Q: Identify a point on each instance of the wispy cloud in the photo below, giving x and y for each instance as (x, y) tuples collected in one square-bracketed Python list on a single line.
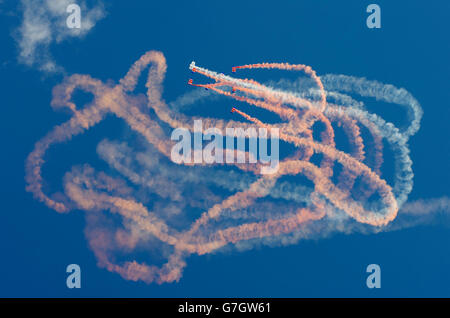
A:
[(44, 23)]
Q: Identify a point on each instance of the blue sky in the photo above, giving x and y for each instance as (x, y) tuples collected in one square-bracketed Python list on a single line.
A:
[(410, 50)]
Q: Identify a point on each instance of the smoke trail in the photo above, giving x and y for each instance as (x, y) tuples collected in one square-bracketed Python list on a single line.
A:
[(174, 209)]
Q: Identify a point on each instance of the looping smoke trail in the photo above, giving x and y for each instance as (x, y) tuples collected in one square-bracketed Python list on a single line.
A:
[(157, 222)]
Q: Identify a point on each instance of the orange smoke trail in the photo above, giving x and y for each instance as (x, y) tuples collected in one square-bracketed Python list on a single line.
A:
[(353, 208), (297, 67), (353, 165)]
